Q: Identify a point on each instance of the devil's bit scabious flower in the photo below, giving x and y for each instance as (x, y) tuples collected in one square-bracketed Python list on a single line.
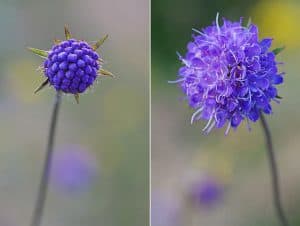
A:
[(71, 66), (229, 75)]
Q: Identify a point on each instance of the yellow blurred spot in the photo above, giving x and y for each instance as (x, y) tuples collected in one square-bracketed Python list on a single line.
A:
[(124, 108), (23, 79), (123, 113), (220, 164), (279, 20)]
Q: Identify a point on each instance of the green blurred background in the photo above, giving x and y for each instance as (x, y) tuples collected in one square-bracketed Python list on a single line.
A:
[(111, 121), (182, 155)]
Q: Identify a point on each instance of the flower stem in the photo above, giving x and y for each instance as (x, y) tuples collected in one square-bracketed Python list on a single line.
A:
[(42, 192), (274, 173)]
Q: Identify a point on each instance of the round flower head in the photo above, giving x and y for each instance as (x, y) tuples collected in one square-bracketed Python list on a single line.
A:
[(229, 75), (71, 66)]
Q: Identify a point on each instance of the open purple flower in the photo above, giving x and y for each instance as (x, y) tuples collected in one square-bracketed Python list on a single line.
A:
[(74, 169), (71, 66), (229, 75)]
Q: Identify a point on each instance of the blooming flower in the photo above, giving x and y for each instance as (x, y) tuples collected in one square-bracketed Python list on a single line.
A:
[(71, 66), (206, 193), (74, 169), (228, 75)]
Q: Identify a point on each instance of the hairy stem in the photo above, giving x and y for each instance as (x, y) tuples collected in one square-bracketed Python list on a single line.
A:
[(274, 173), (42, 192)]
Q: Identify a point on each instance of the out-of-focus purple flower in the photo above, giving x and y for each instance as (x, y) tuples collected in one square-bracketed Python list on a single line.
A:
[(164, 211), (206, 193), (74, 169), (229, 75)]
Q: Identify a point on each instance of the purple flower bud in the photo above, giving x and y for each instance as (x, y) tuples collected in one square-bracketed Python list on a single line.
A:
[(94, 72), (66, 82), (73, 67), (88, 69), (65, 88), (57, 50), (91, 80), (80, 63), (63, 65), (85, 50), (60, 74), (95, 56), (72, 57), (68, 49), (85, 78), (54, 58), (87, 59), (56, 80), (79, 72), (75, 45), (68, 62), (78, 52), (64, 44), (82, 87), (54, 67), (69, 74), (62, 56)]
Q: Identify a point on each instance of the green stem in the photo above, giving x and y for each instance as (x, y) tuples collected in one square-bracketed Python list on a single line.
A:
[(42, 193), (274, 173)]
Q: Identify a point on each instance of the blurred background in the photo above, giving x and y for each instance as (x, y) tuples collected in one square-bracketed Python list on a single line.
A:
[(100, 172), (217, 180)]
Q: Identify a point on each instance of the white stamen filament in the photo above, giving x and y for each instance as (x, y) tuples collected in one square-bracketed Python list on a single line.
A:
[(233, 56), (248, 124), (199, 32), (196, 113), (208, 42), (176, 81), (228, 128), (179, 56), (185, 62), (211, 127), (217, 23), (208, 123)]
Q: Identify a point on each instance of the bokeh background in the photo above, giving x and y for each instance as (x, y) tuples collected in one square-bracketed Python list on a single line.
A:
[(100, 172), (217, 180)]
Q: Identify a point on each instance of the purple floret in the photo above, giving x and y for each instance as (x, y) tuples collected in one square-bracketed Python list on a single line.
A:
[(228, 75), (72, 66)]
